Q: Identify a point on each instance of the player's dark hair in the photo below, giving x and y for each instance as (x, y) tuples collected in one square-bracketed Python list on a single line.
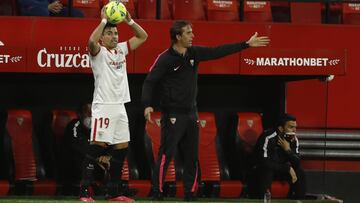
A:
[(176, 29), (109, 25), (285, 118)]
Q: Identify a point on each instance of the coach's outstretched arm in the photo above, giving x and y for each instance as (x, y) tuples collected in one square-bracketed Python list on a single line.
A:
[(256, 41), (140, 34), (93, 43)]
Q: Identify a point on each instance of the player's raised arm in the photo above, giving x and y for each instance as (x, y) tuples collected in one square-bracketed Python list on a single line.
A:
[(93, 43), (140, 34)]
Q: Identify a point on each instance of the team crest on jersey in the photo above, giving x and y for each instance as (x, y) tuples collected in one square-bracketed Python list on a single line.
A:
[(250, 123), (203, 123), (192, 62), (20, 120), (173, 120), (158, 123)]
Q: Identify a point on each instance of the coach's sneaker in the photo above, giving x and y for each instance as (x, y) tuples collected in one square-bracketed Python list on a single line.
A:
[(189, 197), (121, 199), (157, 196), (84, 195)]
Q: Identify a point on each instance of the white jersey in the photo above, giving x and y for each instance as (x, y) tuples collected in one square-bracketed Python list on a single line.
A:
[(109, 69)]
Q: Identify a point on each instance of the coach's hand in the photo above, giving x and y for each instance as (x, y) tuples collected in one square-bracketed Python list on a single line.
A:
[(256, 41), (147, 114)]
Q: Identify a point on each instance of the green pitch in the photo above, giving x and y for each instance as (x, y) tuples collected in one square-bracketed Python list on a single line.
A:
[(67, 199)]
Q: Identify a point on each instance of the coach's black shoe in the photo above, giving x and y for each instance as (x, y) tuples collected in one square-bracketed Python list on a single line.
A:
[(189, 197), (157, 196)]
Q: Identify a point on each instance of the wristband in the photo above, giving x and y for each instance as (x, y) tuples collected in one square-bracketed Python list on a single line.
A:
[(104, 20), (131, 22)]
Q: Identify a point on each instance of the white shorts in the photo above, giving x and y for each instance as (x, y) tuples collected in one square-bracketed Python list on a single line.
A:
[(109, 124)]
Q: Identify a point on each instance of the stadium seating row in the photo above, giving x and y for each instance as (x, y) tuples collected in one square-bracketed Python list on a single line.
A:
[(26, 174), (222, 10)]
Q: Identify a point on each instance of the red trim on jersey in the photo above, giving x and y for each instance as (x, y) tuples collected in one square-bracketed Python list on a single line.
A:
[(157, 58), (109, 50), (95, 128)]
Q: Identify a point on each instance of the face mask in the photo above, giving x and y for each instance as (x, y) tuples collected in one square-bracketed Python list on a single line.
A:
[(87, 122), (289, 136)]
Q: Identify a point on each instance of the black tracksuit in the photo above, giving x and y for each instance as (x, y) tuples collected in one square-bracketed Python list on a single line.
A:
[(177, 76), (274, 162)]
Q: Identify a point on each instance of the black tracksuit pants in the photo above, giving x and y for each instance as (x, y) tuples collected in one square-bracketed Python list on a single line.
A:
[(178, 130), (267, 175)]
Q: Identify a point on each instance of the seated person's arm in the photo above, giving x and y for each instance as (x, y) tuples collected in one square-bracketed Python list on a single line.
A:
[(266, 154)]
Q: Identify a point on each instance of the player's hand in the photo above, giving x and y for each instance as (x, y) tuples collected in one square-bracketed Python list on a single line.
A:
[(103, 14), (284, 144), (128, 17), (104, 161), (293, 175), (147, 114), (256, 41)]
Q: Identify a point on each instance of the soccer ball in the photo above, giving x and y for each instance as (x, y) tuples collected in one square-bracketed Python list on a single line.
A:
[(115, 11)]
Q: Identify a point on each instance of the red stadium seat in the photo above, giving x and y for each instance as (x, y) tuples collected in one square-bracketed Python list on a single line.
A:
[(4, 187), (304, 12), (20, 130), (226, 10), (142, 187), (60, 119), (249, 129), (146, 9), (280, 189), (280, 11), (153, 132), (188, 10), (351, 13), (257, 11), (90, 8), (19, 127), (211, 171)]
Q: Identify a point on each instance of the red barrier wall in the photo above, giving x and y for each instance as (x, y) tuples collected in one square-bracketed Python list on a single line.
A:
[(27, 40)]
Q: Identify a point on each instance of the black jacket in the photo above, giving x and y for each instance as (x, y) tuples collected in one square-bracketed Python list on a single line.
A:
[(177, 76), (271, 155)]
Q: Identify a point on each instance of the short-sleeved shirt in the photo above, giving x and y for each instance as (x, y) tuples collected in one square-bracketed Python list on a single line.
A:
[(109, 70)]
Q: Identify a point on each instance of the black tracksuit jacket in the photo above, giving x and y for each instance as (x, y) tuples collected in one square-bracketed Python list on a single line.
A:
[(177, 76), (270, 155)]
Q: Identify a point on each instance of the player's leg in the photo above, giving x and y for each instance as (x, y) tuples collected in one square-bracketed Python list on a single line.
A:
[(119, 129), (99, 138), (118, 154), (172, 129), (95, 149), (298, 189), (189, 145)]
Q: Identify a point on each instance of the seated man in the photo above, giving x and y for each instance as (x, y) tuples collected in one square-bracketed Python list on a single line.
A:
[(277, 153), (46, 8), (76, 142)]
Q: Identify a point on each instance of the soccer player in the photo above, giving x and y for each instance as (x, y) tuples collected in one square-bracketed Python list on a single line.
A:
[(176, 70), (109, 126)]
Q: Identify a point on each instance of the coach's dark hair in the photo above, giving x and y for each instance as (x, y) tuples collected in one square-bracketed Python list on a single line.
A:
[(176, 29), (285, 118), (109, 25)]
